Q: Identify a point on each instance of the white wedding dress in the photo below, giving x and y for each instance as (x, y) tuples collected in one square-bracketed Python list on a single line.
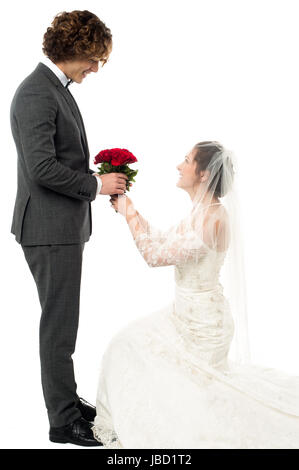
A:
[(166, 380)]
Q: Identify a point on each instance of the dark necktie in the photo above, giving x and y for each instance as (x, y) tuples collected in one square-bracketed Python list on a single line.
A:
[(68, 83)]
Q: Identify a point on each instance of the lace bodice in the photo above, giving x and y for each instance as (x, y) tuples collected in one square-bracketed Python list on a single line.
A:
[(202, 274)]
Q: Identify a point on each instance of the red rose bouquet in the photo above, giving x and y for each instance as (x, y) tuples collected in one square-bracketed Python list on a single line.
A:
[(116, 161)]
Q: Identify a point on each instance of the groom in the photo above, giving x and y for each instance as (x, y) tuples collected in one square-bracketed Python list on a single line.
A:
[(52, 213)]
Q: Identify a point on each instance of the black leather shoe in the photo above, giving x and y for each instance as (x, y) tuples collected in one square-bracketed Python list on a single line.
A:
[(79, 433), (88, 411)]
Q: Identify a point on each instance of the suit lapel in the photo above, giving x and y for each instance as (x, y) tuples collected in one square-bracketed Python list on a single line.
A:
[(76, 113), (82, 128), (70, 100)]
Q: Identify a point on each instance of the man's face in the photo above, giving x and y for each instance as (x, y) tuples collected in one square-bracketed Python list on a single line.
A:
[(78, 69)]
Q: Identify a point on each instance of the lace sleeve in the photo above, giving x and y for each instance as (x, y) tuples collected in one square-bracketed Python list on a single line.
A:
[(188, 240), (169, 248)]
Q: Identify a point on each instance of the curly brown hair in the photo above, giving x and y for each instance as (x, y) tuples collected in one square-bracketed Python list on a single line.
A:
[(77, 35)]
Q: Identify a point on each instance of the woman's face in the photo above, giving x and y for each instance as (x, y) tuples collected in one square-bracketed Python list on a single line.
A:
[(188, 178)]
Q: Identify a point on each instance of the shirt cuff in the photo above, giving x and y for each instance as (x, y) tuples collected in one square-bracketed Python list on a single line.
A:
[(99, 181)]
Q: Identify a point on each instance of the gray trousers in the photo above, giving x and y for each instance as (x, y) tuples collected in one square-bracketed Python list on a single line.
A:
[(56, 270)]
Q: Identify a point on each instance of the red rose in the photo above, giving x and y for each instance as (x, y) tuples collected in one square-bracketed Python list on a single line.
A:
[(115, 157)]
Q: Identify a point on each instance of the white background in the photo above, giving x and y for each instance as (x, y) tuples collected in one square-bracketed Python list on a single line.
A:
[(180, 72)]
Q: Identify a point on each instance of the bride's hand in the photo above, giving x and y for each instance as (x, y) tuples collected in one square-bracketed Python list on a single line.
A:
[(120, 206)]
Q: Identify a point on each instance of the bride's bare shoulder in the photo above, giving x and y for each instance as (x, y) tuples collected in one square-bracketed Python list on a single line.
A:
[(216, 214), (216, 228)]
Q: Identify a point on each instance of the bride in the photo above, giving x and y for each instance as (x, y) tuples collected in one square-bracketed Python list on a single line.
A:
[(166, 379)]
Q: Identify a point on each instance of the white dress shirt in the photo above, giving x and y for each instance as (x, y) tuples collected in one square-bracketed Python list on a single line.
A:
[(64, 80)]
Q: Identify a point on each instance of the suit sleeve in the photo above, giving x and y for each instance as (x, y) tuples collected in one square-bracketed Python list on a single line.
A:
[(35, 114)]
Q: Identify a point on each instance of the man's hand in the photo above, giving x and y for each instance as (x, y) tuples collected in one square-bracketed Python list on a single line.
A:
[(113, 183)]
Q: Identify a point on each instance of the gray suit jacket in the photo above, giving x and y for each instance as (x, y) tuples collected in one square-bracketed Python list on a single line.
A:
[(55, 185)]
